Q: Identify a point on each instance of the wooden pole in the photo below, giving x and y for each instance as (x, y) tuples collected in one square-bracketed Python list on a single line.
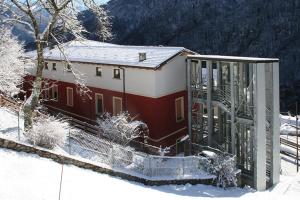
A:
[(61, 178)]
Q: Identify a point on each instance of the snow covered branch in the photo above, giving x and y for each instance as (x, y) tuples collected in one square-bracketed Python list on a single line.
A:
[(12, 62), (62, 19)]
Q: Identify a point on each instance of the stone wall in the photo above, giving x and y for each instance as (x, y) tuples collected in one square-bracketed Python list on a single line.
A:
[(64, 159)]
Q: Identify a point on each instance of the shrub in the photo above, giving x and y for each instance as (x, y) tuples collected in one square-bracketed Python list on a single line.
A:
[(48, 132), (224, 167)]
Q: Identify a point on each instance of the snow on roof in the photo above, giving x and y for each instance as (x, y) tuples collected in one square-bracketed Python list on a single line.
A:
[(234, 58), (112, 54)]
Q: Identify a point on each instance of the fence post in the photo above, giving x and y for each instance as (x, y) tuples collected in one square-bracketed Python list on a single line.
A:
[(112, 157), (183, 167), (19, 125), (69, 141), (150, 167)]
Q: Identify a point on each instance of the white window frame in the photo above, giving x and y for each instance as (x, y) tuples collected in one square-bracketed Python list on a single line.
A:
[(114, 109), (46, 67), (114, 73), (52, 91), (181, 107), (96, 105), (68, 68), (68, 100), (54, 67), (100, 71)]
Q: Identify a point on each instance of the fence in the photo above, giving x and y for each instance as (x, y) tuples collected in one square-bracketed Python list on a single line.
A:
[(132, 162)]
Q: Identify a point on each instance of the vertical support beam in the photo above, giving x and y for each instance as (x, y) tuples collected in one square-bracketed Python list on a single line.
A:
[(210, 122), (232, 111), (200, 112), (260, 128), (220, 121), (190, 101), (276, 130)]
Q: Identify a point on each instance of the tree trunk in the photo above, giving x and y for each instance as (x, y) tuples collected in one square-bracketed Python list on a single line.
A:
[(32, 102)]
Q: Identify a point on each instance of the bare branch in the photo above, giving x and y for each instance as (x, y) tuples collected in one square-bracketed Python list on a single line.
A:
[(20, 22)]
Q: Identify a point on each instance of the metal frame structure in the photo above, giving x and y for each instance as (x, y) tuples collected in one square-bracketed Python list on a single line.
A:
[(233, 105)]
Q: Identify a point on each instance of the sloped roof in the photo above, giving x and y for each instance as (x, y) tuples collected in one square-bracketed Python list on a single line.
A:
[(105, 53)]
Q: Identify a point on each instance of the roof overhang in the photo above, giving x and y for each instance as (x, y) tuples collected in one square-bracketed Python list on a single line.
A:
[(232, 58)]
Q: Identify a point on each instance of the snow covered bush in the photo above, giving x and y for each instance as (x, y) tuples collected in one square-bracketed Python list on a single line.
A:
[(48, 132), (223, 166), (121, 129)]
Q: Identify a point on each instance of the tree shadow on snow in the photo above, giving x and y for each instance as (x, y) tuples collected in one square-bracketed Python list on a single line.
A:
[(199, 190), (202, 190), (8, 130)]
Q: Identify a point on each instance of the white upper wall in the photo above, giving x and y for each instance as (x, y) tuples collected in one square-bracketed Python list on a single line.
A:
[(151, 77), (168, 79), (171, 77), (137, 81)]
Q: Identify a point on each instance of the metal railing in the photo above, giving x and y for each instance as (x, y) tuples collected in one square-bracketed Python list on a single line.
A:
[(130, 161)]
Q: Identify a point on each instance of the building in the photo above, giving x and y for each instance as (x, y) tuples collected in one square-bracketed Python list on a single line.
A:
[(234, 106), (149, 82), (229, 103)]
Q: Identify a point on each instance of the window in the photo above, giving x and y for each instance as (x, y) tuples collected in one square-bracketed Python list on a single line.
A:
[(117, 105), (54, 66), (98, 71), (46, 66), (69, 96), (117, 74), (69, 68), (55, 93), (99, 103), (46, 91), (179, 109)]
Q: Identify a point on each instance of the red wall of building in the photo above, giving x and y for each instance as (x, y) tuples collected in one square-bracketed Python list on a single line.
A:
[(157, 113)]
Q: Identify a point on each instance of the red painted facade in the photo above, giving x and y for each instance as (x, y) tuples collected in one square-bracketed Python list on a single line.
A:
[(157, 113)]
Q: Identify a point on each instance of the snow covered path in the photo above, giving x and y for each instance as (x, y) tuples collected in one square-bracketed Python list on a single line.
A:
[(26, 176)]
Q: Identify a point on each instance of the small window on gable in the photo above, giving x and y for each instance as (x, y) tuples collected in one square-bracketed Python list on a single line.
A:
[(69, 96), (46, 66), (117, 74), (55, 93), (54, 66), (179, 109), (98, 71)]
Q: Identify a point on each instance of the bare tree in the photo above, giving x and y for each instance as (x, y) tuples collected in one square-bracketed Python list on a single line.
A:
[(12, 62), (63, 15)]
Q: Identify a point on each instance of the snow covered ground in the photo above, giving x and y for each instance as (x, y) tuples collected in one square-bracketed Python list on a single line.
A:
[(26, 176)]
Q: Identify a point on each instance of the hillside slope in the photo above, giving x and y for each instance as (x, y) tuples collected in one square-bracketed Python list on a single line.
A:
[(228, 27), (26, 176)]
